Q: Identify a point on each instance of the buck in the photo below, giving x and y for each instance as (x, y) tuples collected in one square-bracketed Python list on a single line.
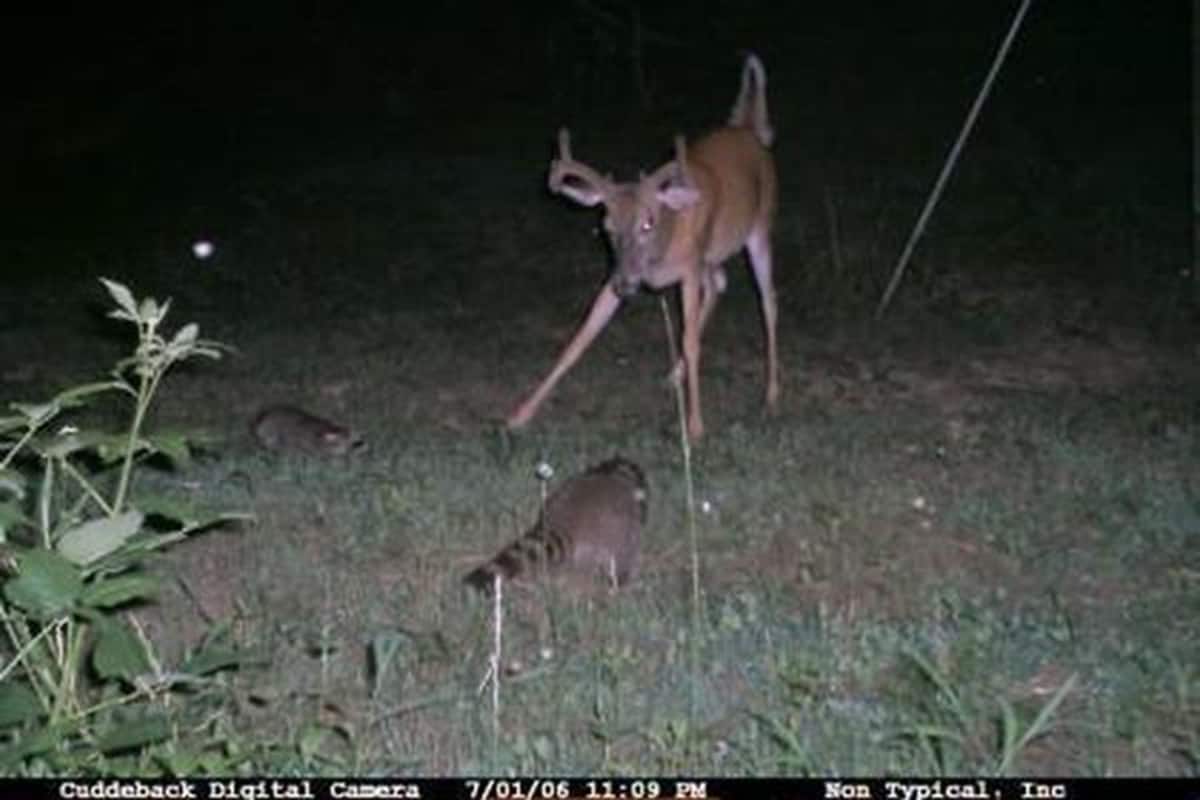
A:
[(678, 225)]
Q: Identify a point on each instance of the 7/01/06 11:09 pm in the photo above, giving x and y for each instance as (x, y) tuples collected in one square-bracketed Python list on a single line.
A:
[(643, 790)]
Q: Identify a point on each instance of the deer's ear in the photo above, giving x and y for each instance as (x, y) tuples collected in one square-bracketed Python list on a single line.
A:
[(677, 196), (673, 186)]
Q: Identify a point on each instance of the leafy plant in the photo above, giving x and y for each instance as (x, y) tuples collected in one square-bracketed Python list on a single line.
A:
[(81, 688), (951, 739)]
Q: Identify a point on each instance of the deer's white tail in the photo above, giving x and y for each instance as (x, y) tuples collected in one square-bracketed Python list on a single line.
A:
[(750, 110)]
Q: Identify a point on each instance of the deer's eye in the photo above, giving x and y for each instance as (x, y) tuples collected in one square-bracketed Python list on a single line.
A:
[(646, 225)]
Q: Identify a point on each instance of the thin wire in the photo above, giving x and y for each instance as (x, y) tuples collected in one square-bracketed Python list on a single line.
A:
[(951, 159)]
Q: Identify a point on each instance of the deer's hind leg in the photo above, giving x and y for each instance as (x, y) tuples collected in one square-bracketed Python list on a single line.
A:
[(758, 248)]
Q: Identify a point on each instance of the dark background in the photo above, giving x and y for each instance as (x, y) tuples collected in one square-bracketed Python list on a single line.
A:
[(127, 127)]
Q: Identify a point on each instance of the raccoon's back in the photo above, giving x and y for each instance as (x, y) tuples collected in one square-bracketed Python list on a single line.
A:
[(592, 525), (284, 427)]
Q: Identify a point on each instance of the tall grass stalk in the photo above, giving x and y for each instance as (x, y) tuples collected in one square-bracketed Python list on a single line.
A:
[(697, 608), (494, 660)]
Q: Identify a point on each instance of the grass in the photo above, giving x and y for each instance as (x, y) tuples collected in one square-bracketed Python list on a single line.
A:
[(848, 628), (967, 544)]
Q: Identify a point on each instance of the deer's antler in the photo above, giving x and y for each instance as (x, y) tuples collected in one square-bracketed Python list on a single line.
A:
[(574, 178), (681, 160), (674, 171)]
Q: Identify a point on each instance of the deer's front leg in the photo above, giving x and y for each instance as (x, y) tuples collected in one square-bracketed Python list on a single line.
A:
[(603, 307), (693, 322), (710, 290)]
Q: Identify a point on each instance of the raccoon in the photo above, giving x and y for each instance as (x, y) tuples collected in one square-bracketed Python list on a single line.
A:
[(287, 428), (591, 527)]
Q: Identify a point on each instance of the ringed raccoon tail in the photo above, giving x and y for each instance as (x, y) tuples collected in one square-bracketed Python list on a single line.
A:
[(591, 524), (539, 550)]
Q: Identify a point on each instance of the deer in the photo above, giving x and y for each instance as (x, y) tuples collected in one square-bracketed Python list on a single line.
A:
[(678, 226)]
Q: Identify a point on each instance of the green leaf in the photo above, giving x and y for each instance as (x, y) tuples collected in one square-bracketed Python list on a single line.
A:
[(185, 337), (11, 516), (149, 311), (121, 296), (12, 482), (107, 592), (18, 703), (121, 367), (211, 659), (174, 446), (187, 513), (125, 315), (176, 509), (1039, 726), (98, 537), (75, 395), (118, 652), (42, 741), (109, 447), (133, 553), (36, 414), (115, 447), (130, 734), (46, 585), (210, 349)]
